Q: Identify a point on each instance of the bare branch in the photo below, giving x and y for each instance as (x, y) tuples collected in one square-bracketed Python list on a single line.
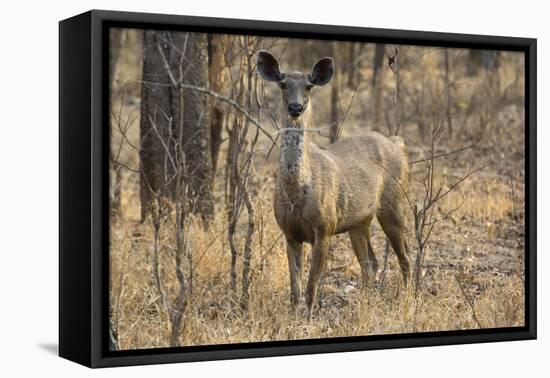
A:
[(231, 102), (447, 153), (468, 300)]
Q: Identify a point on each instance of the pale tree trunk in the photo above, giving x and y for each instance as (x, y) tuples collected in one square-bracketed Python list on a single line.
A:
[(377, 85), (116, 40), (448, 98), (352, 74)]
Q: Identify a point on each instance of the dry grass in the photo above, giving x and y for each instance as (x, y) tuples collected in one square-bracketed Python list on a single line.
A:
[(214, 317)]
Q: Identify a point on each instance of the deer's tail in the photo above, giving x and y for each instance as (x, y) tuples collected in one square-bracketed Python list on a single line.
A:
[(399, 141)]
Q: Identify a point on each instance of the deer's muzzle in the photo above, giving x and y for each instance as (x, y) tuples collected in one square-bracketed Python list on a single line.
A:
[(295, 109)]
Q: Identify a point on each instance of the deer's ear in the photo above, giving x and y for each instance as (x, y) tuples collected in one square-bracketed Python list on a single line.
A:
[(322, 72), (269, 67)]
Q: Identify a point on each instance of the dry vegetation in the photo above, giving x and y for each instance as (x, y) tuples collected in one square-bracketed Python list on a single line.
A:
[(473, 272)]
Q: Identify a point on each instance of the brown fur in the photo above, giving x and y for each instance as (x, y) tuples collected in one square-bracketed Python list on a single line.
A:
[(324, 191)]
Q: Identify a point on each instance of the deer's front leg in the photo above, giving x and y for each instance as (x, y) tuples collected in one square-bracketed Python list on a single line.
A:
[(294, 252), (318, 260)]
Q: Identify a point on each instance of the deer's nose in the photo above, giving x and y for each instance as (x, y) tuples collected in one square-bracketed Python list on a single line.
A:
[(295, 109)]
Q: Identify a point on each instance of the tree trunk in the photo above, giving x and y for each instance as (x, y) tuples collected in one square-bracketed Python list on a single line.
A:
[(117, 37), (448, 98), (116, 40), (352, 73), (160, 112), (217, 80), (377, 85), (335, 127), (196, 126), (232, 178)]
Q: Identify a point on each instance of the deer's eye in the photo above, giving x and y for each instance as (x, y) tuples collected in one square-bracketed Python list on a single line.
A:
[(308, 87), (282, 85)]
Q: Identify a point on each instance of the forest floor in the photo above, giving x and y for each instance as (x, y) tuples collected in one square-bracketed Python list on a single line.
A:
[(473, 276)]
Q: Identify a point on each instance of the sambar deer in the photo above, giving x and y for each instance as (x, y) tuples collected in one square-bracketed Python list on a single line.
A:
[(324, 191)]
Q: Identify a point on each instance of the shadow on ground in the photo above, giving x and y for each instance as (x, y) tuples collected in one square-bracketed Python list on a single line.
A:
[(51, 348)]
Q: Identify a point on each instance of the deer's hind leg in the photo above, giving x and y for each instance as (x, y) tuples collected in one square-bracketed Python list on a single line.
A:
[(393, 223), (360, 240)]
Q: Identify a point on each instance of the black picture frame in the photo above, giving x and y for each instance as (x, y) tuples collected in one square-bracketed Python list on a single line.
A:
[(83, 181)]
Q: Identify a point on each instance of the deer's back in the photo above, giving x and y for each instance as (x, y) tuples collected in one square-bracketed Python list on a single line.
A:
[(360, 174), (371, 157)]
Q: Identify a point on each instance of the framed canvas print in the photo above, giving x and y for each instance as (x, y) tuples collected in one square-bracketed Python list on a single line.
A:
[(234, 188)]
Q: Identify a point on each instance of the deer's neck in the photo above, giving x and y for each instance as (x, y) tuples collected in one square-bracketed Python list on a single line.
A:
[(294, 167)]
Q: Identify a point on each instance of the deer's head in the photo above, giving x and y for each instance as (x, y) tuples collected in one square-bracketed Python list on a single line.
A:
[(295, 86)]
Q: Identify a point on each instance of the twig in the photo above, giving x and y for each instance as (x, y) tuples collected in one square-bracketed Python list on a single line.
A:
[(393, 63), (468, 300), (231, 102), (447, 153), (383, 273)]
